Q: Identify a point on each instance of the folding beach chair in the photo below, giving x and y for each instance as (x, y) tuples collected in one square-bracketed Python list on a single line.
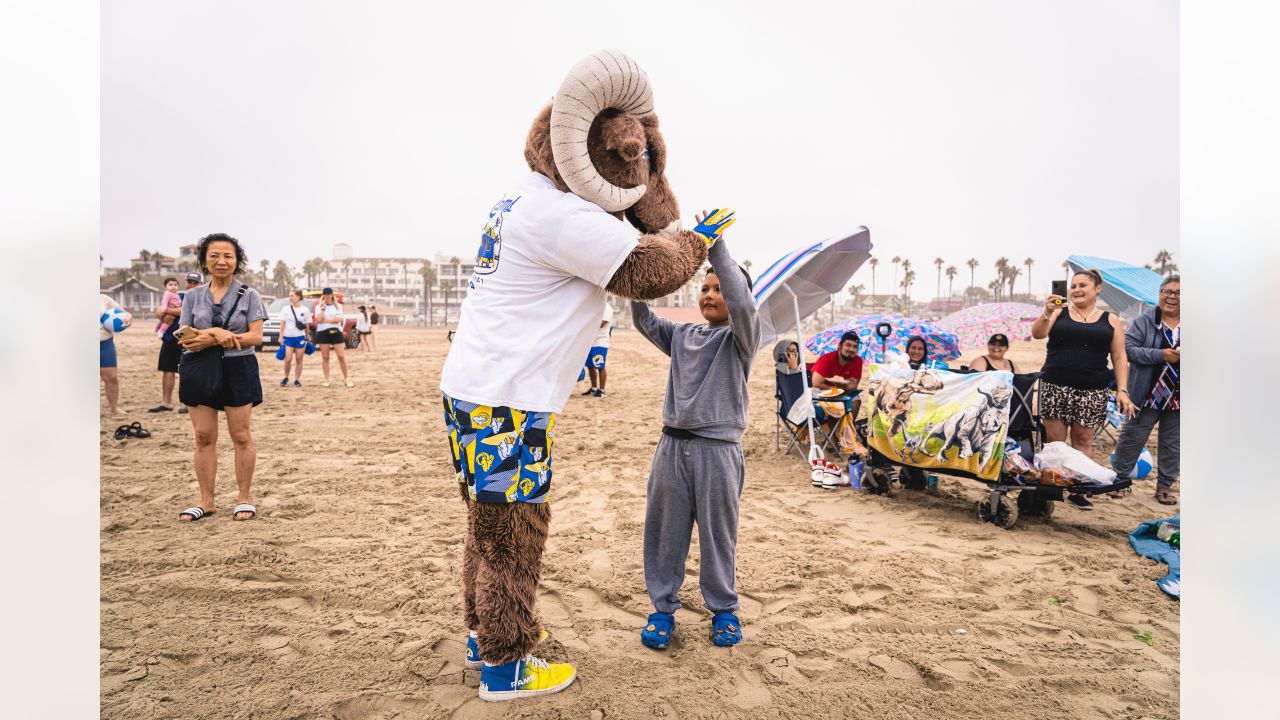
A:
[(788, 390)]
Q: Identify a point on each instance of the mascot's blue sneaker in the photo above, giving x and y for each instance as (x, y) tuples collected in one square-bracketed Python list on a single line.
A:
[(524, 678), (657, 630), (726, 629), (474, 661)]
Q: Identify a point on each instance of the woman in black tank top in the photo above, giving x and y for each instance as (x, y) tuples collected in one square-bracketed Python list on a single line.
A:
[(1075, 378)]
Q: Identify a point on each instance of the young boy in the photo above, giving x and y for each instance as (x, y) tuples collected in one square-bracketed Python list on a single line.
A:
[(698, 469)]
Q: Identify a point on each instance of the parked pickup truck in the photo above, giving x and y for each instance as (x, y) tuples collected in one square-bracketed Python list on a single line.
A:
[(271, 326)]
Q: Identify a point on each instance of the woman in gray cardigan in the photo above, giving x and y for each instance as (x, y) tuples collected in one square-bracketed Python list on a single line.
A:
[(1153, 344)]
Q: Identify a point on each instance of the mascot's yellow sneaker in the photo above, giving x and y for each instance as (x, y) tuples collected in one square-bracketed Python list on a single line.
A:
[(522, 678), (473, 661)]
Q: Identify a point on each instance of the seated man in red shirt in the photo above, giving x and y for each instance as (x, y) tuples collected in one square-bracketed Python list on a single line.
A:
[(841, 369)]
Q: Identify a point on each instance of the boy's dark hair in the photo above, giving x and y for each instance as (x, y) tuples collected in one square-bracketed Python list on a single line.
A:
[(849, 335), (745, 274), (202, 249), (169, 280)]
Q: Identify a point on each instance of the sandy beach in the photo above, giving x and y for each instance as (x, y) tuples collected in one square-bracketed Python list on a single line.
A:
[(342, 600)]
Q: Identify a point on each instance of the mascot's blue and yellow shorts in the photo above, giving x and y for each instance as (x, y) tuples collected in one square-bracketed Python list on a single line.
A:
[(501, 454)]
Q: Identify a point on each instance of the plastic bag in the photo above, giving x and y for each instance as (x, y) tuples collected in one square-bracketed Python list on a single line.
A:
[(1073, 465)]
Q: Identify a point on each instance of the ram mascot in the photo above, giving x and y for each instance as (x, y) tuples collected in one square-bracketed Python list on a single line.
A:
[(594, 216)]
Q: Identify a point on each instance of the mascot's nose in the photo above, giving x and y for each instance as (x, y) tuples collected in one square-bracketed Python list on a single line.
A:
[(631, 150)]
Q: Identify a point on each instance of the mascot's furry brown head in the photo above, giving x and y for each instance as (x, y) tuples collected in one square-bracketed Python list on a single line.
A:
[(599, 139)]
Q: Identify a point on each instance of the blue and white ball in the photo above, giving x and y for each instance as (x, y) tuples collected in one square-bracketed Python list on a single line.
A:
[(113, 320), (1142, 468)]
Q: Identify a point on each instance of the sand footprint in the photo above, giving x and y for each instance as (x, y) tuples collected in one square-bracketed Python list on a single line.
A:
[(599, 568), (748, 690), (864, 595)]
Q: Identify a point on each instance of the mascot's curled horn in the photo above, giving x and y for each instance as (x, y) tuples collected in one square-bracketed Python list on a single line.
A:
[(595, 216)]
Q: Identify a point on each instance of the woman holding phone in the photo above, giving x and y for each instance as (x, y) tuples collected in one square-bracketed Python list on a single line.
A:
[(1075, 380), (220, 325), (329, 320)]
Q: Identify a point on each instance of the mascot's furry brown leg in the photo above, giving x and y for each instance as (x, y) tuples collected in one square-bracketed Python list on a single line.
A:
[(510, 538), (595, 216)]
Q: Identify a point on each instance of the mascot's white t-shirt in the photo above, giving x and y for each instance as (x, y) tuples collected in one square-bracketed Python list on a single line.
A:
[(534, 303)]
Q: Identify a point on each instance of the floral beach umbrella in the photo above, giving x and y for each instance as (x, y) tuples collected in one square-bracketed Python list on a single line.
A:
[(943, 345), (976, 324)]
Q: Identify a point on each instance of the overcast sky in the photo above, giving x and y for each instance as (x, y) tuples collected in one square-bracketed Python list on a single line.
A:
[(953, 129)]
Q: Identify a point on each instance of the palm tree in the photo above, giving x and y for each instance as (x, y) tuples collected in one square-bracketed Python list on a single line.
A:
[(1029, 262), (265, 266), (973, 265), (1164, 263), (136, 270), (896, 260), (428, 272), (309, 269), (938, 263), (873, 262), (908, 277), (122, 274), (346, 265), (446, 286), (1012, 272), (951, 280), (282, 278), (856, 291), (994, 286)]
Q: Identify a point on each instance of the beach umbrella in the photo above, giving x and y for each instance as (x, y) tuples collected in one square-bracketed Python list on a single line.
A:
[(1126, 289), (974, 325), (942, 345), (799, 283)]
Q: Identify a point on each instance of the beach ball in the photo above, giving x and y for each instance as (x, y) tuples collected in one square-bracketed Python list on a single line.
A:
[(1142, 468), (113, 320)]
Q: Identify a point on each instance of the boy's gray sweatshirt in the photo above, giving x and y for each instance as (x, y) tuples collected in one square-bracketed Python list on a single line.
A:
[(710, 364)]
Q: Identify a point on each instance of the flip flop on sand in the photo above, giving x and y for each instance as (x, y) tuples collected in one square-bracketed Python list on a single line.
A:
[(244, 508), (195, 513), (136, 430), (726, 629), (657, 630), (121, 432), (1165, 497)]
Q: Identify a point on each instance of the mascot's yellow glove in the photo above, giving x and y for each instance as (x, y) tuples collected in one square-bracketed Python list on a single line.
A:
[(714, 225)]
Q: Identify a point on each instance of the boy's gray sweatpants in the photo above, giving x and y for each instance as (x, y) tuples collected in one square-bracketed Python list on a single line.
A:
[(696, 480)]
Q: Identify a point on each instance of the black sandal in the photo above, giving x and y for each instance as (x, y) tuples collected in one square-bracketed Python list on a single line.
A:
[(122, 432), (136, 430)]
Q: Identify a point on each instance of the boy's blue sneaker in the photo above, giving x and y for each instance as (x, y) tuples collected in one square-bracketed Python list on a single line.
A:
[(657, 630), (474, 661), (726, 629), (526, 677)]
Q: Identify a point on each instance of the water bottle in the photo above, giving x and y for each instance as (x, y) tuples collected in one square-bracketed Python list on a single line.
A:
[(855, 475), (931, 482)]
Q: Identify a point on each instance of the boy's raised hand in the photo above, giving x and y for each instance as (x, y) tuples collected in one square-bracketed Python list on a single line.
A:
[(712, 226)]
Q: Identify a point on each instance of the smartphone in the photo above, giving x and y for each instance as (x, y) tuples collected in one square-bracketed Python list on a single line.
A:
[(1059, 288), (184, 332)]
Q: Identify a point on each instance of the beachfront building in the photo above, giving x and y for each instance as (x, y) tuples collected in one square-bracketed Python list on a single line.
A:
[(137, 294), (394, 284)]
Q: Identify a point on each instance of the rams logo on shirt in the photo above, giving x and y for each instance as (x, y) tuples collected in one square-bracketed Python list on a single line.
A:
[(526, 487), (480, 418), (485, 461)]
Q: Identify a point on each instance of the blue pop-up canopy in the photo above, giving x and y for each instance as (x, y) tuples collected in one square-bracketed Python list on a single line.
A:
[(1126, 289)]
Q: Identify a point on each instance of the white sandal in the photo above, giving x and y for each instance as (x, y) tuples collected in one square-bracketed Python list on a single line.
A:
[(244, 507)]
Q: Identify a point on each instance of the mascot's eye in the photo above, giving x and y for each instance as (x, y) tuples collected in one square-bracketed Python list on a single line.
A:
[(645, 155)]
